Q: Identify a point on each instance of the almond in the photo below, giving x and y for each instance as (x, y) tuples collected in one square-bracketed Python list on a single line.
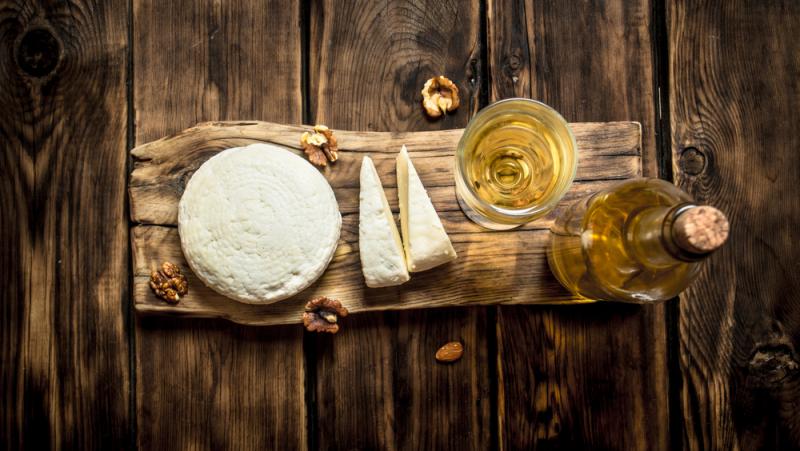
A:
[(450, 352)]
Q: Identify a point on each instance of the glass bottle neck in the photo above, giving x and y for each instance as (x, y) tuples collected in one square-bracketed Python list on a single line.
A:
[(649, 237)]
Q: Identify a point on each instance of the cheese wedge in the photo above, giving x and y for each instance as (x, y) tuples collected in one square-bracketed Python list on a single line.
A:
[(424, 239), (382, 258)]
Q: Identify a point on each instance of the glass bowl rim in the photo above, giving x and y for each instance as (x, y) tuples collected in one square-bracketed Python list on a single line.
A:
[(566, 177)]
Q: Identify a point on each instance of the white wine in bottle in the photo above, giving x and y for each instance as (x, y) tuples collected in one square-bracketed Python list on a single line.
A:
[(640, 241)]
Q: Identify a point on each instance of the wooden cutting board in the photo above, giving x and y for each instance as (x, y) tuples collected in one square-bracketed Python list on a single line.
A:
[(492, 267)]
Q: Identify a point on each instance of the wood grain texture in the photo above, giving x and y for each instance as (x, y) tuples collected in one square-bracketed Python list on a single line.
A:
[(595, 376), (212, 384), (734, 69), (63, 242), (609, 152), (379, 386), (597, 54), (369, 61)]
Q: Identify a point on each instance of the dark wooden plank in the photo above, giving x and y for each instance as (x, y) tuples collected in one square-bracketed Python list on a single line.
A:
[(734, 68), (378, 385), (595, 376), (592, 60), (211, 384), (368, 62), (63, 231)]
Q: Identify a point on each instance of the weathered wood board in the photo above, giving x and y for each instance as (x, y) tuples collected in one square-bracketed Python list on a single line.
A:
[(595, 376), (734, 117), (65, 381), (492, 268), (205, 384)]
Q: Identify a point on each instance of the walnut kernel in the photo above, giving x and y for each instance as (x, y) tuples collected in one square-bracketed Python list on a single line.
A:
[(439, 96), (168, 283), (320, 146), (322, 315)]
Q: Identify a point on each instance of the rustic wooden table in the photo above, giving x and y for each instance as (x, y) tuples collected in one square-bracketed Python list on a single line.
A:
[(715, 85)]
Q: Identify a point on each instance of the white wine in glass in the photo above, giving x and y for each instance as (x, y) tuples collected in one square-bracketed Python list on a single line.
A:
[(516, 160)]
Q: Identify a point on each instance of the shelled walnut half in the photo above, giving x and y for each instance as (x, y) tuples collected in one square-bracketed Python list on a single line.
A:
[(439, 96), (320, 146), (168, 283), (322, 315)]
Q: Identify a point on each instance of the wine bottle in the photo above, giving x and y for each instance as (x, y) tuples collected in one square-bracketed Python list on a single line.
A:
[(641, 241)]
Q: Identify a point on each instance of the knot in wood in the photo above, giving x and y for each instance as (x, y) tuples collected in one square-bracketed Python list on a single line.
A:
[(772, 364), (473, 72), (692, 161), (514, 62), (38, 52)]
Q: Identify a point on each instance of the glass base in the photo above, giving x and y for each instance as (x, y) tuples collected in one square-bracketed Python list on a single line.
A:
[(481, 220)]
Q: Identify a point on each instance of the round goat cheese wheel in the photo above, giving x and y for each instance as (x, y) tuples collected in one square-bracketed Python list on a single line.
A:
[(258, 223)]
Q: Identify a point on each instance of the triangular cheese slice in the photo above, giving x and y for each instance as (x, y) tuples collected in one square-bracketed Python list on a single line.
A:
[(424, 239), (382, 259)]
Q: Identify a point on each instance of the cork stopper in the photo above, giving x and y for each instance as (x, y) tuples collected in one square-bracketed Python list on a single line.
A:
[(700, 230)]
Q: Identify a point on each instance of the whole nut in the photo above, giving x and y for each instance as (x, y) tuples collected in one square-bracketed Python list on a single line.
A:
[(450, 352)]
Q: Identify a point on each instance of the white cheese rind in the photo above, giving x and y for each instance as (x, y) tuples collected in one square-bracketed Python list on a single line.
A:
[(258, 224), (425, 241), (382, 258)]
